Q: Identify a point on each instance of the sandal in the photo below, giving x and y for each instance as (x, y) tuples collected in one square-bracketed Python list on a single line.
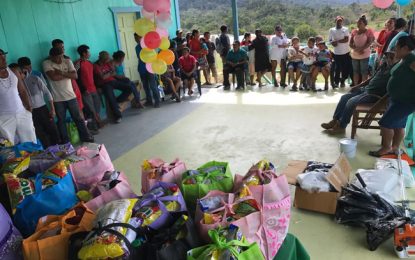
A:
[(377, 154)]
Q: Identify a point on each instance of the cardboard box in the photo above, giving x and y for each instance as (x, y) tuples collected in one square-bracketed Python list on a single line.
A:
[(324, 202)]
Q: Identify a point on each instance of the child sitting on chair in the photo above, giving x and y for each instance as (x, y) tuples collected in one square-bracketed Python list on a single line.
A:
[(295, 61), (171, 83), (322, 65), (309, 59)]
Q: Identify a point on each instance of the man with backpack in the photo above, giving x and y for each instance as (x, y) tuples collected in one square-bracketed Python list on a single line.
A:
[(90, 96), (223, 43)]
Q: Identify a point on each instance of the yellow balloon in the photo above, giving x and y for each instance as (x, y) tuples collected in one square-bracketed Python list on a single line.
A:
[(159, 67), (167, 56), (148, 55), (143, 26), (165, 43)]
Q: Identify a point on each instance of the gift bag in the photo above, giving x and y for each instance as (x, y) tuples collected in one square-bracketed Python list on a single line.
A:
[(90, 171), (155, 170), (211, 176), (73, 133), (10, 238), (46, 159), (222, 209), (50, 241), (113, 186), (156, 208), (273, 194), (53, 195), (224, 247)]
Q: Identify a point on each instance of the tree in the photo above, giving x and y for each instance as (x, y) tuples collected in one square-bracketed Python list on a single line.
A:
[(304, 31)]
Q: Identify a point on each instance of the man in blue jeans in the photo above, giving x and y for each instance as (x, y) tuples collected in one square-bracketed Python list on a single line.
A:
[(60, 72), (366, 92), (148, 79)]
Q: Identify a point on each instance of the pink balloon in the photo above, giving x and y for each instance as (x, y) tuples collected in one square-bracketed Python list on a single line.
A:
[(149, 68), (142, 43), (151, 5), (138, 2), (164, 6), (163, 20), (152, 40), (162, 32), (383, 4), (148, 15)]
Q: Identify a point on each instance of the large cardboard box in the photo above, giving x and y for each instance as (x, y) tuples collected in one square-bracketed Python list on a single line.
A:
[(324, 202)]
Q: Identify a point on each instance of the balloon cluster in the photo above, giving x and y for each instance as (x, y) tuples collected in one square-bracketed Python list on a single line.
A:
[(152, 27), (383, 4)]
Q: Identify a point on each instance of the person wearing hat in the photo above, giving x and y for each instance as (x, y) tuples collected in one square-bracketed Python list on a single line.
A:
[(236, 61), (180, 42), (59, 72), (369, 91), (262, 63), (322, 64), (339, 38), (15, 109)]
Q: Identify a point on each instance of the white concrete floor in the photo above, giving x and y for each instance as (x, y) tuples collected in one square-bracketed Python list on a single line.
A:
[(244, 127)]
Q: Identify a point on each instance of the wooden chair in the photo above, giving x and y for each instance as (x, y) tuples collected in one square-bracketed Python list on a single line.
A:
[(365, 114)]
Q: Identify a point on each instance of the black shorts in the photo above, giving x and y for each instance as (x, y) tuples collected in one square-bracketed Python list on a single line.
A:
[(322, 64), (185, 77)]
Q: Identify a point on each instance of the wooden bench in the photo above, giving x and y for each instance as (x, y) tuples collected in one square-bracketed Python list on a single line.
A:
[(363, 121)]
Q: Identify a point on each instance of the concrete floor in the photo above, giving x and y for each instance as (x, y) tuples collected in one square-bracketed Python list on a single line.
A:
[(242, 128)]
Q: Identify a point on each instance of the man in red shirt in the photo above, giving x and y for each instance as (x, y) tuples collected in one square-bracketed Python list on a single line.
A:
[(90, 97), (105, 79), (188, 66)]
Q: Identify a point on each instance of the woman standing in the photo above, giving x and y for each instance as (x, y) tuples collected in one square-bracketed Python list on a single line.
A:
[(381, 40), (246, 42), (262, 64), (401, 88), (360, 42), (278, 53)]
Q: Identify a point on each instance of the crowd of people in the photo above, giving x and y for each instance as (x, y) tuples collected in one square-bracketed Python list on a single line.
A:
[(76, 87)]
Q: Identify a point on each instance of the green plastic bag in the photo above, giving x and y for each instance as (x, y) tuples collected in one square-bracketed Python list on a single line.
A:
[(248, 252), (73, 133), (211, 176)]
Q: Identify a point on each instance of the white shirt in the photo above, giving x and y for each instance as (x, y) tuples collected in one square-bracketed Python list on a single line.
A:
[(37, 91), (312, 58), (10, 102), (277, 53), (339, 34), (61, 89)]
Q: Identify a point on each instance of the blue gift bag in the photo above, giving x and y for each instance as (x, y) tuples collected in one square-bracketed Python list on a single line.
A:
[(7, 153), (53, 200)]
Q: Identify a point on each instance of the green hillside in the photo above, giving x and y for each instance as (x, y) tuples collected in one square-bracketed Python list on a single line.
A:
[(309, 18)]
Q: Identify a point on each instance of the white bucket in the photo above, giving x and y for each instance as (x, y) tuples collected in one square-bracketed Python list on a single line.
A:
[(348, 147)]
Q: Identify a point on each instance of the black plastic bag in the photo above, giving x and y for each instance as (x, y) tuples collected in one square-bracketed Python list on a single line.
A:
[(378, 232)]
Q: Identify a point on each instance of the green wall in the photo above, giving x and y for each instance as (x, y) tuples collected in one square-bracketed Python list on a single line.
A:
[(28, 26)]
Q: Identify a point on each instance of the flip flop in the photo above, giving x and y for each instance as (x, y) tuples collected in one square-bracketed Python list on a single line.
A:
[(378, 155)]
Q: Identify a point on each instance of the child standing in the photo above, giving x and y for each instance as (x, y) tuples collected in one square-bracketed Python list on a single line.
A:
[(322, 65), (309, 59)]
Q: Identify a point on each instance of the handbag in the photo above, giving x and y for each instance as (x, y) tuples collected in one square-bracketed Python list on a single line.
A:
[(104, 192), (55, 199), (10, 238), (90, 171), (155, 170), (50, 241), (248, 251), (73, 133), (211, 176)]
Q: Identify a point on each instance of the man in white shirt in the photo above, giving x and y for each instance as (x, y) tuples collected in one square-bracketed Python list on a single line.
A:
[(60, 72), (278, 54), (339, 38), (15, 108)]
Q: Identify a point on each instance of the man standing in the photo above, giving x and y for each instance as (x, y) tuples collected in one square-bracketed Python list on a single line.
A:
[(210, 58), (15, 108), (60, 72), (180, 42), (339, 38), (90, 97), (235, 63), (148, 79), (223, 44)]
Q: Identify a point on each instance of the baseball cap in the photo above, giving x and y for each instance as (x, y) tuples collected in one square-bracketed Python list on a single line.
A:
[(3, 52), (179, 31), (322, 42)]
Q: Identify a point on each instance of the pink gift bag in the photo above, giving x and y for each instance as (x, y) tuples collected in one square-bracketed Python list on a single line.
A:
[(156, 170), (275, 201), (90, 170), (121, 190)]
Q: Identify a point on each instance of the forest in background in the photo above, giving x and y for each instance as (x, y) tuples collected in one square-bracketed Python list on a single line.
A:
[(300, 18)]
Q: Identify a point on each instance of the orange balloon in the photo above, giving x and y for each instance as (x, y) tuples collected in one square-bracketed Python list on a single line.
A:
[(167, 56)]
